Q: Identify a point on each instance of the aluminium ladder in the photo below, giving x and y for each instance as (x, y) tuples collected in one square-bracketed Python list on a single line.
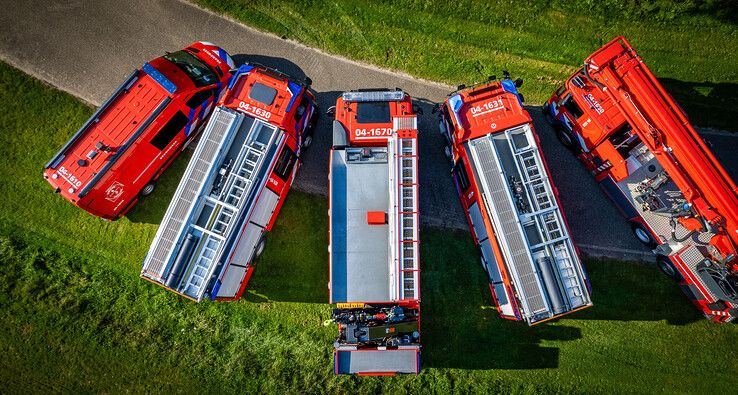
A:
[(547, 220)]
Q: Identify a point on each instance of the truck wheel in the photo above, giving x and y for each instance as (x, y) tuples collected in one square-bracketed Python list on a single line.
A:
[(668, 268), (307, 142), (546, 111), (565, 138), (643, 235), (148, 188), (260, 246), (447, 152)]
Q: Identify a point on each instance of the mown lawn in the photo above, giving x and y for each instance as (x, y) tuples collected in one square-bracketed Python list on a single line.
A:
[(691, 46), (75, 317)]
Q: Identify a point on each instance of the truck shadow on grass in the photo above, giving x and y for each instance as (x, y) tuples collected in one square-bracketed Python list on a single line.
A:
[(461, 328), (708, 104)]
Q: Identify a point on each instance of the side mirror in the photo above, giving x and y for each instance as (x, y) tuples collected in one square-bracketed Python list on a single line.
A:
[(518, 83), (418, 110), (331, 111)]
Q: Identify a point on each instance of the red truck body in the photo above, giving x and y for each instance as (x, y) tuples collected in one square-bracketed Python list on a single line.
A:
[(512, 207), (121, 151), (646, 156), (234, 186), (373, 234)]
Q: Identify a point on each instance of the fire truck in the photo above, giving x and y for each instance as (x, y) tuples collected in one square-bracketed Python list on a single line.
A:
[(512, 207), (233, 187), (373, 233), (647, 158), (119, 153)]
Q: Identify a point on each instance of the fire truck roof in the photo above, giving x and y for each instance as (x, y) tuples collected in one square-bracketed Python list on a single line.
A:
[(369, 200), (262, 92), (117, 124), (487, 108)]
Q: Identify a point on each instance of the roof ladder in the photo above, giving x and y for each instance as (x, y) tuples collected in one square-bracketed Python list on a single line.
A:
[(408, 216), (569, 276), (198, 277), (241, 178), (225, 215), (550, 224)]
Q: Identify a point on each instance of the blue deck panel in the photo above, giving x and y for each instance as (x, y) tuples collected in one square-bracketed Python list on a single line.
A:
[(338, 229)]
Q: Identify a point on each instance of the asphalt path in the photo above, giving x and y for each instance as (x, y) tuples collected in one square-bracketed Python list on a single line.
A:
[(87, 47)]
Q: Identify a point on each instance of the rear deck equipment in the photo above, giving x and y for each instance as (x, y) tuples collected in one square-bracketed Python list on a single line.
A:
[(545, 270)]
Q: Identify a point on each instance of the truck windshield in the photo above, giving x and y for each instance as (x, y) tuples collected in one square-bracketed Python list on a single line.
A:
[(198, 71), (373, 112)]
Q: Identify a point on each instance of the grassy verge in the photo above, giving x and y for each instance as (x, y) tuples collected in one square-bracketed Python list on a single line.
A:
[(76, 317), (690, 45)]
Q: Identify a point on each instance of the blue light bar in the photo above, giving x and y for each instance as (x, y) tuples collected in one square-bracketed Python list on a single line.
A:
[(159, 78)]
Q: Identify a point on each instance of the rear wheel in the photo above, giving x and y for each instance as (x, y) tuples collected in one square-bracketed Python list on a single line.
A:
[(668, 268), (260, 247), (643, 235), (148, 189)]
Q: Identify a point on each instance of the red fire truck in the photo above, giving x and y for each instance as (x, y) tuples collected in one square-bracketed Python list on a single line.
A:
[(647, 158), (233, 187), (512, 207), (120, 152), (373, 233)]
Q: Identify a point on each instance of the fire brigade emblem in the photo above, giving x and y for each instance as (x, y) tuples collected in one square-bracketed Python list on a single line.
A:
[(114, 191)]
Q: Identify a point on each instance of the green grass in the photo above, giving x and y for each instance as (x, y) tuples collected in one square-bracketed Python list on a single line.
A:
[(76, 317), (691, 46)]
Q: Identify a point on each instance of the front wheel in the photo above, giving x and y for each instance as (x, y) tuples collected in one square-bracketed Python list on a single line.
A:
[(667, 267), (148, 189), (565, 138), (447, 152)]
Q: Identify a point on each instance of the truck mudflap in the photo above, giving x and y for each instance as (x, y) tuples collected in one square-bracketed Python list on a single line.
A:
[(377, 362)]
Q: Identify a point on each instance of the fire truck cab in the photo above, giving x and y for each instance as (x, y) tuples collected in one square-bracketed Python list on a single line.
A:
[(373, 234), (512, 207), (647, 158), (233, 187), (119, 153)]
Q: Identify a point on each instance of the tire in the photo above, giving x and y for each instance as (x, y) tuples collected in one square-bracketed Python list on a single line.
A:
[(260, 247), (447, 152), (668, 268), (643, 235), (546, 111), (148, 189), (565, 138)]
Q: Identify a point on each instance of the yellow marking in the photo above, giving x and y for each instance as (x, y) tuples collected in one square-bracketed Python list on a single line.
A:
[(352, 305)]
